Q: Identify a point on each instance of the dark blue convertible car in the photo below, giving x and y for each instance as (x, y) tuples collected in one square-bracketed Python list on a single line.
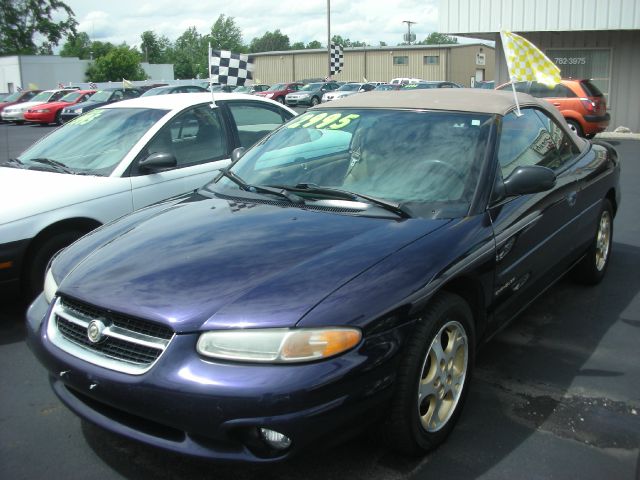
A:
[(342, 271)]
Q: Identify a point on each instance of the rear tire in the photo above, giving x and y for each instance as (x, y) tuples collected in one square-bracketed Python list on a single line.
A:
[(575, 127), (433, 376), (592, 268), (35, 270)]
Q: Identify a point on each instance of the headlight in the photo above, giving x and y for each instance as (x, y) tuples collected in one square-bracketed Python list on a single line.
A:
[(268, 95), (78, 111), (278, 345), (50, 286), (302, 95), (45, 110)]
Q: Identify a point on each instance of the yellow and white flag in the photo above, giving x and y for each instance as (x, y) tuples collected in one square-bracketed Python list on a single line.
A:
[(127, 84), (526, 62)]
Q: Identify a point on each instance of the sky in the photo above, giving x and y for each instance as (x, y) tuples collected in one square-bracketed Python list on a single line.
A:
[(370, 21)]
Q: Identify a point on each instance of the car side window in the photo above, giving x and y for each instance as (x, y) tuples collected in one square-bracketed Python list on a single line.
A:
[(192, 137), (525, 140), (116, 96), (255, 120), (130, 94), (566, 147)]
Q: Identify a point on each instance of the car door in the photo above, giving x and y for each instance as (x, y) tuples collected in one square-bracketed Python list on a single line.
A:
[(535, 233), (199, 141)]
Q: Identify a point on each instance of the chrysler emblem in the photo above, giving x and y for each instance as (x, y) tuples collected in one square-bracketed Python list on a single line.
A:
[(94, 331)]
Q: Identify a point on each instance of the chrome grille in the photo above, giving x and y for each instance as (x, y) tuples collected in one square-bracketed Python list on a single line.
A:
[(128, 344)]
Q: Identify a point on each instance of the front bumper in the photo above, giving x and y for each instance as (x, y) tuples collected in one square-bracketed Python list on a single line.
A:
[(68, 116), (213, 409), (298, 101), (47, 117), (11, 260), (12, 116)]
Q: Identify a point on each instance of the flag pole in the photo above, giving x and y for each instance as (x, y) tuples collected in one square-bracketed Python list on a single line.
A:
[(213, 100), (515, 97), (329, 39)]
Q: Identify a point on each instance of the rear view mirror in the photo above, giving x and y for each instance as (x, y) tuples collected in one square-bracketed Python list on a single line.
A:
[(237, 154), (158, 161), (529, 179)]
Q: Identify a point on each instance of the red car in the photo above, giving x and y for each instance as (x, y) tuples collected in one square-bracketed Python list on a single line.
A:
[(17, 97), (278, 91), (50, 112)]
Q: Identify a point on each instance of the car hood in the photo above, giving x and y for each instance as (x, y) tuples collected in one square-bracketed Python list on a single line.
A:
[(24, 105), (211, 263), (31, 192)]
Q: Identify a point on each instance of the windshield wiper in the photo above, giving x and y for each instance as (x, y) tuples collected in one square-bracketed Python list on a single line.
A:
[(281, 192), (14, 161), (58, 166), (394, 207)]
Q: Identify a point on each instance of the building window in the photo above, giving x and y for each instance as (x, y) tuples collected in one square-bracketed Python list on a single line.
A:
[(431, 59), (404, 60)]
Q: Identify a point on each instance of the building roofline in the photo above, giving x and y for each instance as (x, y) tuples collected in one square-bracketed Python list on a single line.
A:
[(372, 49)]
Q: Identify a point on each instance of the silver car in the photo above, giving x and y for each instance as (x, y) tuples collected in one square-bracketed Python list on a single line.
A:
[(346, 90)]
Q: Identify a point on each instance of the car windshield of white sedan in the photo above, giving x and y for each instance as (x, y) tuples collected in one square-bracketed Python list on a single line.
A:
[(93, 143), (407, 157)]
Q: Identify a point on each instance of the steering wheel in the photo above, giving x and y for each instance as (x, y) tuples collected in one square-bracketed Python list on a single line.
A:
[(446, 166)]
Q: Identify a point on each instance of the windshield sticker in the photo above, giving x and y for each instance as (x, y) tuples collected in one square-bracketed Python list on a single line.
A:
[(332, 121), (87, 117), (410, 85)]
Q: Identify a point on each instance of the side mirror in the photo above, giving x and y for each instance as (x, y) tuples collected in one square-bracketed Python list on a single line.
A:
[(157, 162), (529, 179), (237, 154)]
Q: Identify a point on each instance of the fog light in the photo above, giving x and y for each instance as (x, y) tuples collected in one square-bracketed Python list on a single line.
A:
[(275, 439)]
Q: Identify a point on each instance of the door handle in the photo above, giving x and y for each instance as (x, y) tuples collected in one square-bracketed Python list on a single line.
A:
[(556, 104), (571, 198)]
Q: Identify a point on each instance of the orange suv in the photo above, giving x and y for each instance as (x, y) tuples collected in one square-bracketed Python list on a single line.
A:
[(582, 104)]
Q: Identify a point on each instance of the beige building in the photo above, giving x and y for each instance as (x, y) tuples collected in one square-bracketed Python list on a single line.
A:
[(456, 63), (592, 39)]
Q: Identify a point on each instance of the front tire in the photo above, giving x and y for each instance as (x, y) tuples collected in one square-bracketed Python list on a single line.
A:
[(592, 268), (280, 100), (314, 101), (433, 376)]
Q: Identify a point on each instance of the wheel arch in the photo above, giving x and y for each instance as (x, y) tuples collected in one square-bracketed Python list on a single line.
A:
[(471, 291), (611, 196), (83, 224)]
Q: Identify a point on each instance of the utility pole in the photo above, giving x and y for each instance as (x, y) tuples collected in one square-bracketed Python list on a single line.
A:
[(409, 37), (329, 38)]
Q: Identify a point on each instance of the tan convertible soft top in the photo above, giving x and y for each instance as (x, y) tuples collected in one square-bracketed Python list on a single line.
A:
[(496, 102)]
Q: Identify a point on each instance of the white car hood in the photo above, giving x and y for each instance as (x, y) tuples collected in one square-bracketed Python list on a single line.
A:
[(24, 193), (24, 105)]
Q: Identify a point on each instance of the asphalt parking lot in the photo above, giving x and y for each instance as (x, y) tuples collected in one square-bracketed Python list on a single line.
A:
[(555, 395)]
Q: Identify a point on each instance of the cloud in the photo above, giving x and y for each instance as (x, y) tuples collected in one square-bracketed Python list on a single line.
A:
[(372, 20)]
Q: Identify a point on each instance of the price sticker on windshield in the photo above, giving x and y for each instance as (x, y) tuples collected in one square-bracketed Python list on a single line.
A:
[(332, 121), (87, 117)]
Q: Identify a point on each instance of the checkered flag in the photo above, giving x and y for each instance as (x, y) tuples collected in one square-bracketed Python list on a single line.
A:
[(336, 59), (227, 68), (93, 86)]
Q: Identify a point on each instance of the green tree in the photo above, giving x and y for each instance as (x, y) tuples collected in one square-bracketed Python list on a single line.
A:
[(77, 45), (190, 55), (297, 46), (314, 44), (154, 48), (101, 49), (382, 44), (345, 42), (436, 38), (226, 35), (21, 20), (121, 62), (270, 42)]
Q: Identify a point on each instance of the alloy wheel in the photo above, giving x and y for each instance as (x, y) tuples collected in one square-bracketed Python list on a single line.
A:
[(603, 240)]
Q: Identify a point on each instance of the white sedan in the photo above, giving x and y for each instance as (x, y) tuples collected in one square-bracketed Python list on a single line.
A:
[(111, 161)]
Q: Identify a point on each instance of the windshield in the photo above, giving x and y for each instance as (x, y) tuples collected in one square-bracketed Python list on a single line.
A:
[(311, 86), (241, 89), (277, 87), (101, 96), (427, 160), (95, 142), (349, 87), (156, 91), (71, 97), (42, 97), (13, 97)]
